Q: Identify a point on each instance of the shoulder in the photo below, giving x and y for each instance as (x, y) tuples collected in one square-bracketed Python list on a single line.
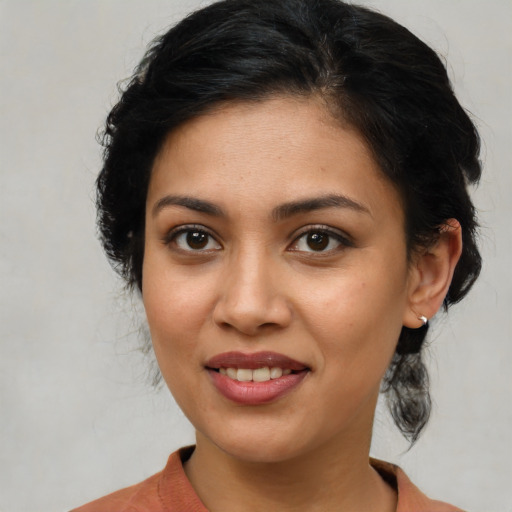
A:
[(410, 498), (166, 491)]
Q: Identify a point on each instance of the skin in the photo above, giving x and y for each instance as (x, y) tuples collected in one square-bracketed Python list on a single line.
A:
[(257, 285)]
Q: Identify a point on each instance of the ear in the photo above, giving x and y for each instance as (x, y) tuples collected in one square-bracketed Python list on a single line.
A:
[(431, 273)]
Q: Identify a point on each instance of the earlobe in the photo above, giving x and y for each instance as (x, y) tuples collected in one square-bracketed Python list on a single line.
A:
[(431, 274)]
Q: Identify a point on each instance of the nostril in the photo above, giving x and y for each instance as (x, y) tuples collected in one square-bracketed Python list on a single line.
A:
[(251, 309)]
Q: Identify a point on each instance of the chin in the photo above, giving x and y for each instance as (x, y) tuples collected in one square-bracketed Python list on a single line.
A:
[(261, 453), (260, 443)]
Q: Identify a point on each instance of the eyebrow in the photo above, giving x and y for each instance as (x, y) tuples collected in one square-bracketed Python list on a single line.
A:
[(317, 203), (192, 203), (281, 212)]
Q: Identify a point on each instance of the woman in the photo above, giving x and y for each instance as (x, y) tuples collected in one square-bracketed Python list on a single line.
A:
[(285, 184)]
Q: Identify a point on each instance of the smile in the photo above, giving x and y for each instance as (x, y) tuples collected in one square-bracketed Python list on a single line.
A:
[(255, 379), (258, 375)]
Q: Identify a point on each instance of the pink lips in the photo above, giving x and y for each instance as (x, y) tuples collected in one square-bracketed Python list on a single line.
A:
[(255, 393), (253, 361)]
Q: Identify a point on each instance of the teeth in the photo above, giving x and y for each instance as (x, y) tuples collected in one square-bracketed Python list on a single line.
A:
[(243, 375), (275, 373), (259, 375)]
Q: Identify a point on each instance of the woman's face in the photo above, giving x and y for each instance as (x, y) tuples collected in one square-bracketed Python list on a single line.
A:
[(274, 245)]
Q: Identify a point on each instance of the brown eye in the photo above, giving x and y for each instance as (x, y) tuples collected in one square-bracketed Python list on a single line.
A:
[(317, 241), (193, 240), (320, 240), (197, 239)]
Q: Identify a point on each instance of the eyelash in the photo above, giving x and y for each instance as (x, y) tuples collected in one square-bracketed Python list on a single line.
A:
[(174, 234), (342, 240)]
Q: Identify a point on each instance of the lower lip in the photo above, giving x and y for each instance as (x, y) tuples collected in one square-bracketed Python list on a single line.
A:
[(256, 393)]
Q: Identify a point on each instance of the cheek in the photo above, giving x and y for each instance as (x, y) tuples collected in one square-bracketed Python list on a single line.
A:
[(352, 301), (357, 318), (178, 304), (176, 301), (175, 310)]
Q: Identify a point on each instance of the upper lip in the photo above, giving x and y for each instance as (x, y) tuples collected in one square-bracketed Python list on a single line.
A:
[(254, 361)]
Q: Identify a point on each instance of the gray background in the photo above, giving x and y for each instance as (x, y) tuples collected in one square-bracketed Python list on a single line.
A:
[(78, 417)]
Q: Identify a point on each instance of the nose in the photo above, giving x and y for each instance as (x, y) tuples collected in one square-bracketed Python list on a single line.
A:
[(252, 300)]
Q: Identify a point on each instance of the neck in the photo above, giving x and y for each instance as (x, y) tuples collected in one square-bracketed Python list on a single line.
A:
[(336, 476)]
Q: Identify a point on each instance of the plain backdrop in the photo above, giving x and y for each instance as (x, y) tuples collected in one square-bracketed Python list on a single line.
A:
[(78, 415)]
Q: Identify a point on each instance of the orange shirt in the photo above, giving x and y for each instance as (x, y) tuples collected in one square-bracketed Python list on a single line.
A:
[(170, 491)]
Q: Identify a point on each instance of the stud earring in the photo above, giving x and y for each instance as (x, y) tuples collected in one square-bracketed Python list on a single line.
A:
[(423, 319)]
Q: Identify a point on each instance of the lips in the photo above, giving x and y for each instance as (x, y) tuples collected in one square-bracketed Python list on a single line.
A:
[(255, 379), (254, 361)]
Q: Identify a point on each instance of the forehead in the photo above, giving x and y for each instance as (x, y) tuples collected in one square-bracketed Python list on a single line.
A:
[(270, 151)]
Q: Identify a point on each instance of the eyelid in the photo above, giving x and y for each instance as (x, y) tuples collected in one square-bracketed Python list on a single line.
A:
[(173, 233), (343, 238)]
